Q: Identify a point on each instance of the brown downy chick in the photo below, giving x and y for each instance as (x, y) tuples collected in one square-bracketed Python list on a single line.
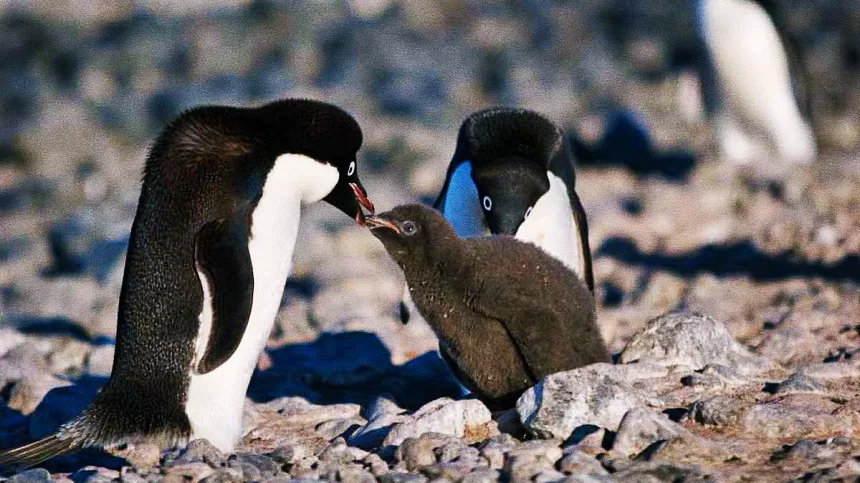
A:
[(506, 313)]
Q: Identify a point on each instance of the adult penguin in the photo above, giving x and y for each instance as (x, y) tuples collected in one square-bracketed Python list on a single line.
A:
[(512, 174), (751, 74), (209, 253)]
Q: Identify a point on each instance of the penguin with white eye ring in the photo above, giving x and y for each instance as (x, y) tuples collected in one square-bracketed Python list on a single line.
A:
[(512, 174)]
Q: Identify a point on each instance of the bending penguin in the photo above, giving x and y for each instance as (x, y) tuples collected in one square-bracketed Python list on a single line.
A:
[(748, 82), (512, 174), (209, 253)]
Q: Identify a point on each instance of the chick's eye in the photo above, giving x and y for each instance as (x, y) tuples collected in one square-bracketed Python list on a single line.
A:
[(528, 212), (351, 170), (409, 228), (488, 203)]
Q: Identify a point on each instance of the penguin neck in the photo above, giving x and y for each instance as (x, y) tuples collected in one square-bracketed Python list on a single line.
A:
[(430, 276)]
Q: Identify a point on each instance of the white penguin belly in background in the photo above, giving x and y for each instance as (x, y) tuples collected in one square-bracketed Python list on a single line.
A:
[(758, 110)]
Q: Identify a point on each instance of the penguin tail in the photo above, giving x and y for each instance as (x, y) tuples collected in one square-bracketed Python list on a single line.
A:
[(36, 452)]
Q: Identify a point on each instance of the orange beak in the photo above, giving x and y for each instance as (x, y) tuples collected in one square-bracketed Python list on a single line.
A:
[(363, 201)]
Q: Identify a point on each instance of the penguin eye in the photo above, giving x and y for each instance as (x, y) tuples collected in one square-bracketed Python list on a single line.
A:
[(488, 203), (528, 212), (351, 170), (408, 227)]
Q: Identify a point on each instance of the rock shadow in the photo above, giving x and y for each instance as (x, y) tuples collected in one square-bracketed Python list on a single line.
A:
[(59, 406), (740, 258), (351, 367)]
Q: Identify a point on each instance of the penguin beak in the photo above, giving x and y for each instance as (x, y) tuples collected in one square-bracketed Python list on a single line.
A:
[(361, 196), (375, 222)]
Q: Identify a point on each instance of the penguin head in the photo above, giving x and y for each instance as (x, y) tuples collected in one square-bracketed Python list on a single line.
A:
[(327, 135), (508, 189), (411, 233), (510, 152)]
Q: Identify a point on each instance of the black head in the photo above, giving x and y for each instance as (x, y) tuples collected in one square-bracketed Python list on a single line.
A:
[(327, 134), (243, 144), (411, 233), (510, 151)]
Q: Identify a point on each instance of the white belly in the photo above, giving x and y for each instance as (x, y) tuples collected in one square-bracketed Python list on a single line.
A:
[(216, 400), (754, 81)]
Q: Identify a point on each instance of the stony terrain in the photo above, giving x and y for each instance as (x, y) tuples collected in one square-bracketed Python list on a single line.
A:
[(729, 295)]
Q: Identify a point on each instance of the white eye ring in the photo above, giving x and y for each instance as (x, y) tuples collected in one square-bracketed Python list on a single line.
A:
[(488, 203), (528, 212), (351, 169)]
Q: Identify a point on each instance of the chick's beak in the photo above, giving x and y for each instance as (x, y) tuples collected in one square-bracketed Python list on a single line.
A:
[(375, 222)]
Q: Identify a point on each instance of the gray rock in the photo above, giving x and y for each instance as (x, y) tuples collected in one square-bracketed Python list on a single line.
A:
[(547, 476), (202, 449), (37, 475), (419, 452), (352, 475), (531, 458), (337, 427), (657, 472), (718, 411), (382, 415), (9, 338), (450, 471), (831, 371), (468, 419), (799, 383), (482, 475), (641, 427), (457, 451), (393, 477), (225, 475), (291, 453), (100, 360), (338, 453), (193, 471), (266, 466), (375, 464), (29, 392), (578, 462), (599, 394), (298, 411), (144, 455), (799, 416), (692, 340)]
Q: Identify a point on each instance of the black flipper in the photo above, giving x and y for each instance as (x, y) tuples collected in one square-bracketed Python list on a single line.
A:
[(582, 225), (36, 452), (223, 256)]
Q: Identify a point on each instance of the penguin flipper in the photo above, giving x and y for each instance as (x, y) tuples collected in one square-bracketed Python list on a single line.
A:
[(223, 255), (36, 452), (582, 227)]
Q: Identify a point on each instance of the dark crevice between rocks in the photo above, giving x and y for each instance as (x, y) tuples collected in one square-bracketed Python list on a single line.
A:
[(770, 387), (675, 414)]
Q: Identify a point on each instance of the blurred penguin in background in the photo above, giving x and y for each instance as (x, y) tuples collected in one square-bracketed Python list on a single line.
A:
[(748, 82)]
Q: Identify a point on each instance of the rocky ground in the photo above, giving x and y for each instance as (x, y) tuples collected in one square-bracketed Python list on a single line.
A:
[(763, 387)]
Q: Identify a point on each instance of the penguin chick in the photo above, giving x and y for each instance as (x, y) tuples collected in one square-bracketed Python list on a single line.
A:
[(506, 313), (209, 254)]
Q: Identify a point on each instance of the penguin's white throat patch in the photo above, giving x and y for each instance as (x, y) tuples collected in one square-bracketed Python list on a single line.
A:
[(311, 180)]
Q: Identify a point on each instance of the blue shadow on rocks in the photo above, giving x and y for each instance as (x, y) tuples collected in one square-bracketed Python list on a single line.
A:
[(59, 406), (740, 258), (50, 326), (352, 367), (626, 143)]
